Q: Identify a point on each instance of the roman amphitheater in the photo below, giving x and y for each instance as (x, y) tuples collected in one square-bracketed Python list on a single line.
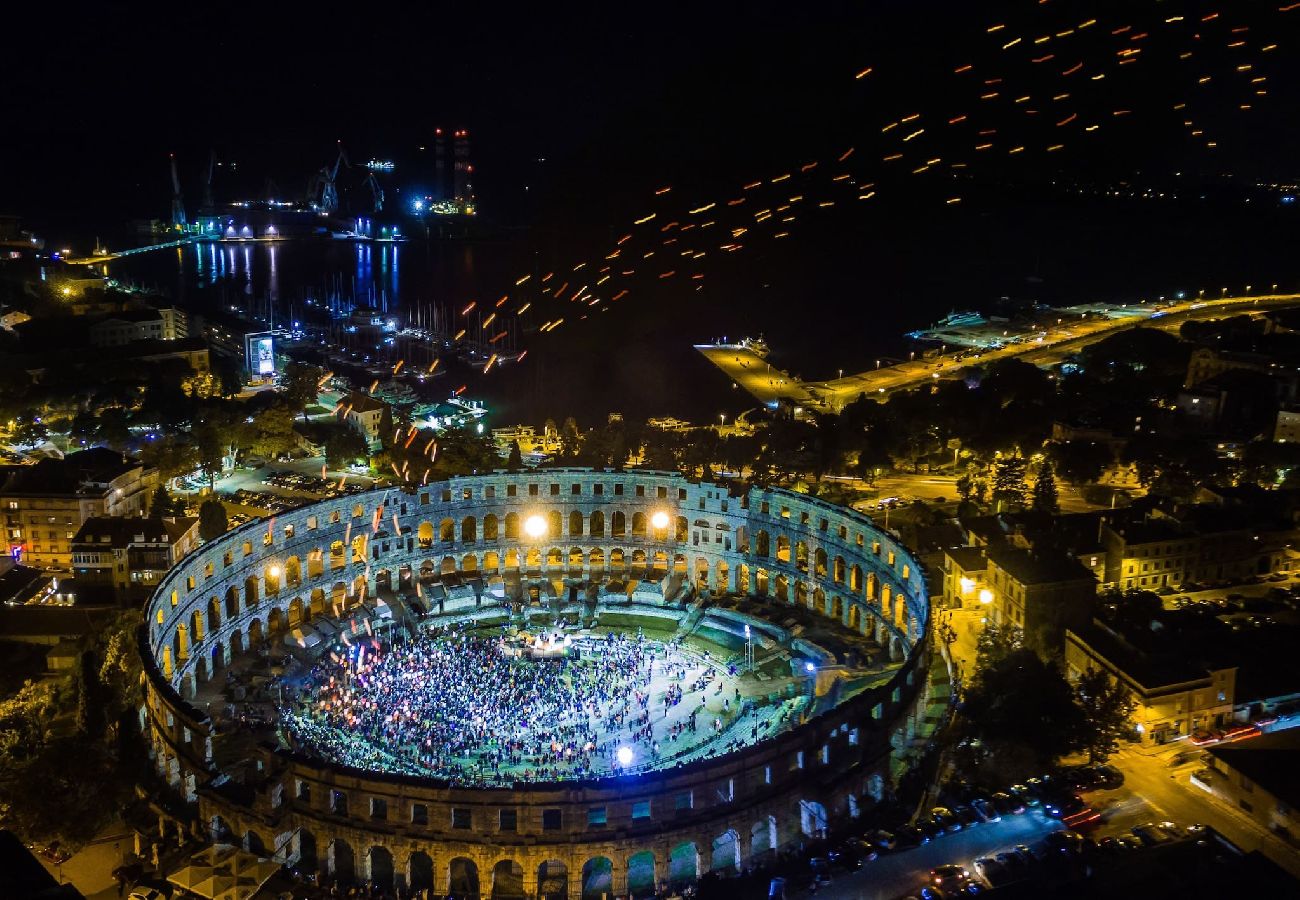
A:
[(813, 619)]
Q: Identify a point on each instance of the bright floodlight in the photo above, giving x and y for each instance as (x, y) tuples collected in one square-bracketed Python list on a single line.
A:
[(624, 756), (986, 596), (808, 667), (535, 526), (659, 520), (274, 571)]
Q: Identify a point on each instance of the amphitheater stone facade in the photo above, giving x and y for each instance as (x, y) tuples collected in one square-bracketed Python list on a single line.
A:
[(614, 835)]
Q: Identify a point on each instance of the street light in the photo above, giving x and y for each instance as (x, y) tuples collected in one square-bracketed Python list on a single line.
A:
[(986, 596), (659, 519), (535, 526), (624, 755)]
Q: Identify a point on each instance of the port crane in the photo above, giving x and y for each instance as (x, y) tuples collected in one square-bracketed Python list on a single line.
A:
[(324, 194), (178, 204), (375, 190), (207, 182)]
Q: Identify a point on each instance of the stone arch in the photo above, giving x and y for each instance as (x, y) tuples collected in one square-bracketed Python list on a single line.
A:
[(552, 880), (762, 543), (726, 853), (512, 526), (447, 530), (761, 583), (317, 604), (469, 563), (419, 872), (254, 843), (638, 524), (838, 570), (469, 530), (781, 588), (214, 613), (555, 524), (701, 572), (812, 818), (837, 608), (641, 875), (275, 623), (533, 559), (679, 562), (782, 548), (618, 560), (575, 524), (762, 839), (801, 555), (448, 565), (424, 534), (684, 864), (305, 844), (462, 877), (722, 578), (315, 563), (618, 524), (596, 561), (855, 579), (232, 602), (596, 524), (255, 635), (293, 571), (338, 554), (661, 562), (492, 561), (818, 600), (855, 616), (220, 831), (250, 592), (597, 878), (380, 864), (491, 527), (507, 880), (801, 593), (358, 511), (576, 559), (554, 558), (820, 563), (341, 861)]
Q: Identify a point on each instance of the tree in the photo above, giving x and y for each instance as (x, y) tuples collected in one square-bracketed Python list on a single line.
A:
[(1022, 701), (1080, 462), (213, 521), (162, 504), (90, 712), (171, 456), (300, 385), (1107, 711), (1009, 490), (515, 462), (995, 643), (272, 431), (345, 445), (1045, 498)]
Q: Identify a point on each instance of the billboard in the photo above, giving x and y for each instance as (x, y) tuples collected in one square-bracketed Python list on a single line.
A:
[(259, 350)]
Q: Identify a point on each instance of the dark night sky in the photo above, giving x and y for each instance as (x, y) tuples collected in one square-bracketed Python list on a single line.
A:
[(616, 97)]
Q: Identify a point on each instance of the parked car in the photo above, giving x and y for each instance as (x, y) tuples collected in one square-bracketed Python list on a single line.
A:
[(1024, 795), (987, 811), (1005, 803), (1151, 834), (1069, 842), (967, 816), (885, 840), (910, 836), (1063, 806), (991, 870)]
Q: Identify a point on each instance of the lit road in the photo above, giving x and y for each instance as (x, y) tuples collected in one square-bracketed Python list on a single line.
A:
[(932, 488), (898, 874), (1155, 791), (749, 372)]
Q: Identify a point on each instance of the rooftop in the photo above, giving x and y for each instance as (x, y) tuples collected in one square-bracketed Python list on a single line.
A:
[(1272, 761), (1038, 566), (77, 474), (119, 533)]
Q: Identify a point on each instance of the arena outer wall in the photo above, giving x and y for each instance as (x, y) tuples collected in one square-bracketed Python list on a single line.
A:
[(270, 576)]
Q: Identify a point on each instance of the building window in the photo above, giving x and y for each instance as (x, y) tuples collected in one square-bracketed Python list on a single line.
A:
[(508, 820), (532, 490), (618, 490), (767, 774), (684, 800), (640, 490), (595, 816), (460, 818), (419, 814), (512, 490), (378, 808), (641, 810), (575, 489), (552, 820), (304, 791), (339, 803), (555, 490), (598, 490)]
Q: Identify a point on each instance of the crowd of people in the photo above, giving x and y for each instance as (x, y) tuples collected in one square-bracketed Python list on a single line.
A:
[(452, 703)]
